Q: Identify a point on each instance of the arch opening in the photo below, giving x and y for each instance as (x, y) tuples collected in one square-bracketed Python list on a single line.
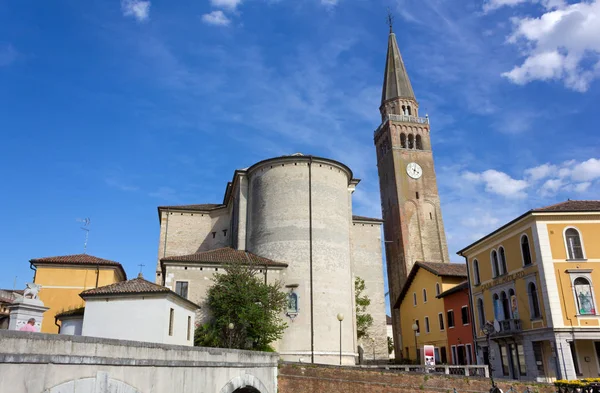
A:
[(247, 389)]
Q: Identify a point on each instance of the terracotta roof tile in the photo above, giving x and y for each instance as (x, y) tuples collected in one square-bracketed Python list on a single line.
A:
[(71, 313), (136, 286), (571, 206), (225, 255), (79, 259), (362, 218)]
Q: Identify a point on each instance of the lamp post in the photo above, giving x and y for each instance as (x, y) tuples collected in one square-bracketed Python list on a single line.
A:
[(231, 326), (488, 329), (415, 329), (340, 318)]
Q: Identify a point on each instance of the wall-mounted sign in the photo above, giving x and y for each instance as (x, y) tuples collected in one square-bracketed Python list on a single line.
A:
[(503, 280)]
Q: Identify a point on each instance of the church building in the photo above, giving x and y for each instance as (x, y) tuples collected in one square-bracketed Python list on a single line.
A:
[(413, 227), (292, 217)]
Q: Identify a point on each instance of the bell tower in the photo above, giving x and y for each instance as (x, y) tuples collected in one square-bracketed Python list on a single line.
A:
[(410, 203)]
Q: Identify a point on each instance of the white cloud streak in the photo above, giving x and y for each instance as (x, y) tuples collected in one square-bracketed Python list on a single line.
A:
[(226, 4), (138, 9), (216, 18)]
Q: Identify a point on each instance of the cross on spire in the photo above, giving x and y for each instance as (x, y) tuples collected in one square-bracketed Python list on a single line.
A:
[(390, 20)]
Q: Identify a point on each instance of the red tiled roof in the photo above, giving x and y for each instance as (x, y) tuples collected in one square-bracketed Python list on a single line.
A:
[(225, 255), (571, 206), (199, 207), (136, 286), (437, 268), (362, 218), (71, 313), (78, 259)]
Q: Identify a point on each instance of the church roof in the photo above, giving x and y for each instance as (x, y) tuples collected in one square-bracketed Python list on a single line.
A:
[(225, 255), (437, 268), (396, 82), (363, 218), (78, 259)]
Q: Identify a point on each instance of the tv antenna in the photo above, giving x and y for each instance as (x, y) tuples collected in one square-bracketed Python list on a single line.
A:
[(86, 224), (141, 265)]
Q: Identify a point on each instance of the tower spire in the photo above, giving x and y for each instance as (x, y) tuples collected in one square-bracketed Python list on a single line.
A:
[(395, 83)]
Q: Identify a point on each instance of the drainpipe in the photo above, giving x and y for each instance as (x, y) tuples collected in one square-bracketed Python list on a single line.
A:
[(97, 274), (310, 242), (32, 267), (56, 323), (562, 291), (475, 345)]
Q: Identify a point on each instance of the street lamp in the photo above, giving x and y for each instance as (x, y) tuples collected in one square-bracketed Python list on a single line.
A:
[(487, 329), (231, 326), (340, 318), (415, 329)]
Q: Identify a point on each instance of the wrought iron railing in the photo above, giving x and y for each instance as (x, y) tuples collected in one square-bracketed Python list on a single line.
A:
[(404, 118), (508, 326)]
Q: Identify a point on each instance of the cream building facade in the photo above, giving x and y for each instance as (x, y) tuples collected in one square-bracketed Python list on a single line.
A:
[(534, 279), (293, 216)]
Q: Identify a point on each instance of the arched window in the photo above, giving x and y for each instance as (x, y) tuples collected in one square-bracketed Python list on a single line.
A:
[(495, 270), (503, 269), (574, 246), (408, 112), (419, 142), (292, 306), (411, 141), (424, 295), (437, 289), (496, 306), (476, 277), (583, 295), (535, 302), (403, 140), (525, 250), (403, 110), (512, 303), (505, 305), (481, 312)]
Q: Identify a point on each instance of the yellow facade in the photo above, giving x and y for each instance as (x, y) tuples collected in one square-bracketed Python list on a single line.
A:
[(411, 311), (563, 340), (62, 284)]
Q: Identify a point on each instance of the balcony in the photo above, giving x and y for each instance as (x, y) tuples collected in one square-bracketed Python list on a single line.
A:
[(403, 118), (508, 327)]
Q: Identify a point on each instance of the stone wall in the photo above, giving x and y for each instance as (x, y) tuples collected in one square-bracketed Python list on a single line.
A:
[(44, 363), (302, 378)]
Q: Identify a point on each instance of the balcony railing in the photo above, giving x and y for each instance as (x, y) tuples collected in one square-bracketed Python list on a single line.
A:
[(509, 326), (404, 118)]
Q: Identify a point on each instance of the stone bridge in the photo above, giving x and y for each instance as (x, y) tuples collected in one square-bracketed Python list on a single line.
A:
[(45, 363)]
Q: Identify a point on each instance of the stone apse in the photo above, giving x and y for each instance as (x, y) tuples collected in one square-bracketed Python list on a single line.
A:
[(44, 363)]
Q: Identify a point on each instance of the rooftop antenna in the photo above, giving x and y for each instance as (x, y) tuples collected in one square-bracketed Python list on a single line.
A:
[(390, 19), (86, 223), (141, 265)]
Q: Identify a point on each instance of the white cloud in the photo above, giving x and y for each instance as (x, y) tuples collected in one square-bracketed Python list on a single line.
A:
[(562, 44), (587, 170), (8, 55), (582, 187), (217, 18), (491, 5), (540, 172), (227, 4), (551, 187), (138, 9), (329, 3), (499, 183)]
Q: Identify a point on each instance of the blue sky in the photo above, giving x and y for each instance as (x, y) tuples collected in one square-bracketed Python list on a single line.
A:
[(109, 109)]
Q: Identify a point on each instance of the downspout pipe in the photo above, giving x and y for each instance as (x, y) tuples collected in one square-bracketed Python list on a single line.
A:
[(56, 323), (310, 242), (32, 267)]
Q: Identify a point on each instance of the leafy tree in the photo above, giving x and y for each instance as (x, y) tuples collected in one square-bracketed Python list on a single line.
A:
[(390, 345), (363, 319), (240, 299)]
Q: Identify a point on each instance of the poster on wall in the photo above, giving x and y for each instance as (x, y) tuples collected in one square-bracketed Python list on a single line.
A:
[(429, 355), (513, 307)]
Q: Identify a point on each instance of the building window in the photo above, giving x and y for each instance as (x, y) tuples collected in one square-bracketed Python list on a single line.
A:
[(525, 250), (171, 317), (521, 359), (411, 141), (454, 355), (424, 295), (444, 356), (441, 320), (539, 358), (414, 299), (419, 142), (292, 306), (437, 289), (505, 306), (181, 288), (189, 329), (450, 318), (535, 303), (503, 269), (584, 297), (469, 354), (476, 272), (504, 360), (464, 313), (497, 307), (436, 354), (403, 140), (494, 259), (574, 246), (426, 324), (481, 312)]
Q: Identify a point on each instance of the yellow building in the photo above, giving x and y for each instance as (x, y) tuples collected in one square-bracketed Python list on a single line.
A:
[(534, 280), (419, 305), (63, 278)]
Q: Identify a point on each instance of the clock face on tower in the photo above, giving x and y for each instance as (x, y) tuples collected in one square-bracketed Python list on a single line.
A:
[(414, 170)]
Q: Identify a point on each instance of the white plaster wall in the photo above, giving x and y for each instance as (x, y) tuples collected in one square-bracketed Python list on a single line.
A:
[(137, 319), (278, 228), (71, 326), (367, 263)]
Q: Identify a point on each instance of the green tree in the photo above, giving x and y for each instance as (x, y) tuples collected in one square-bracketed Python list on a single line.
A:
[(363, 319), (390, 345), (246, 312)]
